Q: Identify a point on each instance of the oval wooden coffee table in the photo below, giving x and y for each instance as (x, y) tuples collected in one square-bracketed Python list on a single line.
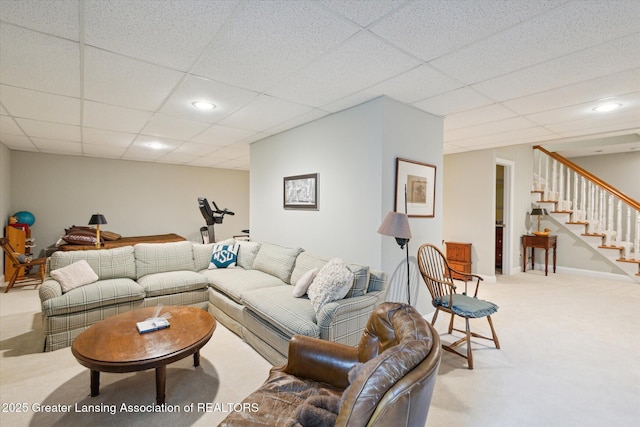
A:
[(115, 345)]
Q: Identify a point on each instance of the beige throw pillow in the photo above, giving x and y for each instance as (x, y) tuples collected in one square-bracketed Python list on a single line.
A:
[(74, 275), (332, 283)]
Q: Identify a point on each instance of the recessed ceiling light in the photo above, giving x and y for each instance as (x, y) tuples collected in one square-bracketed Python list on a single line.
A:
[(155, 145), (605, 108), (203, 105)]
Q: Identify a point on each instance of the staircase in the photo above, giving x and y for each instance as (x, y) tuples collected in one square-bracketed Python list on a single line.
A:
[(599, 214)]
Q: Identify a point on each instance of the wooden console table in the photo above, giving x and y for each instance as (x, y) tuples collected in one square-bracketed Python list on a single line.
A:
[(543, 242)]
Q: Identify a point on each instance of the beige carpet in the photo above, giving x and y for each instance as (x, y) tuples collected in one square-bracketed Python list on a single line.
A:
[(569, 357)]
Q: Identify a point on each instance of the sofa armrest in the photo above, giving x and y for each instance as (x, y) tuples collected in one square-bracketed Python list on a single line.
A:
[(320, 360), (50, 288), (344, 320)]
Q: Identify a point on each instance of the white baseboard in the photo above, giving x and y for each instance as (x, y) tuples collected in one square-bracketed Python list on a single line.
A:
[(590, 273)]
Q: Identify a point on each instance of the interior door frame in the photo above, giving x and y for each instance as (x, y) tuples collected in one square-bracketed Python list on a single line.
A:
[(507, 230)]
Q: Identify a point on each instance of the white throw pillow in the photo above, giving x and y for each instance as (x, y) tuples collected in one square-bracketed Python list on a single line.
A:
[(304, 282), (332, 283), (74, 275)]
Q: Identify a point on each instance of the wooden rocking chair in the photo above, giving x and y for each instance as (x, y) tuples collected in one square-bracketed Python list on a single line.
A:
[(438, 276), (23, 268)]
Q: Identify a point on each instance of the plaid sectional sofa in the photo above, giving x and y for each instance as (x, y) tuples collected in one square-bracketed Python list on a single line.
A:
[(255, 301), (129, 277)]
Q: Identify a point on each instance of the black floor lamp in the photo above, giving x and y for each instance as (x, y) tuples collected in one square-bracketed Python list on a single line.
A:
[(396, 225)]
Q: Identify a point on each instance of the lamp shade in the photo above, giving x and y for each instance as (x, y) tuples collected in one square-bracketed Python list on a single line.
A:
[(539, 211), (97, 219), (396, 224)]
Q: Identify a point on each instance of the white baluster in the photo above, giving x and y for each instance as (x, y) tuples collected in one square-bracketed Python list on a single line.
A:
[(610, 234), (539, 183), (619, 223), (583, 199), (576, 213), (601, 226), (561, 189), (636, 240), (626, 244), (554, 183), (546, 179)]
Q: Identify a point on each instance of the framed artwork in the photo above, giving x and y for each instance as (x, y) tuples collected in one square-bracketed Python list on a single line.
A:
[(415, 188), (301, 191)]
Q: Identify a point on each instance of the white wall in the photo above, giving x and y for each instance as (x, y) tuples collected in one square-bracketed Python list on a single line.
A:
[(622, 170), (354, 152), (137, 198), (5, 194)]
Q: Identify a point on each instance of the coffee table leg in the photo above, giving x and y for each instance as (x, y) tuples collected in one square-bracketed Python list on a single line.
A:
[(161, 379), (196, 358), (95, 383)]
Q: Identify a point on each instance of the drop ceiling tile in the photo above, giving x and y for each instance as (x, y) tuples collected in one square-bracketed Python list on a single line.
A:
[(222, 135), (608, 58), (603, 87), (103, 151), (231, 152), (9, 126), (429, 29), (109, 117), (362, 61), (453, 102), (141, 148), (176, 158), (40, 106), (59, 18), (606, 129), (40, 129), (264, 112), (241, 163), (17, 142), (310, 116), (489, 113), (585, 111), (512, 137), (195, 149), (101, 137), (168, 33), (117, 80), (173, 128), (363, 13), (597, 121), (490, 128), (569, 28), (37, 61), (226, 98), (58, 147), (265, 41)]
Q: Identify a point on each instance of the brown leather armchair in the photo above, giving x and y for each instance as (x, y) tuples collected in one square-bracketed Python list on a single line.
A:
[(387, 380)]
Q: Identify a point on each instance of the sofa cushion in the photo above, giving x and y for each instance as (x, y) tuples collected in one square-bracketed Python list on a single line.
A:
[(360, 280), (247, 253), (234, 283), (276, 260), (332, 283), (75, 275), (202, 255), (303, 283), (154, 258), (304, 262), (108, 264), (99, 294), (224, 256), (278, 307), (172, 282)]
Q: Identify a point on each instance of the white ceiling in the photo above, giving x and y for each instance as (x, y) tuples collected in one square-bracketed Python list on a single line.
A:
[(106, 78)]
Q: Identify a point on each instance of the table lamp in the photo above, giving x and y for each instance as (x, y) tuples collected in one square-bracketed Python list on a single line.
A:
[(538, 212), (96, 220)]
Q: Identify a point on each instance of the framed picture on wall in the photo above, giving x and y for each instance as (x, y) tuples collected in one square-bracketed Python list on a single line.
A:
[(301, 191), (415, 188)]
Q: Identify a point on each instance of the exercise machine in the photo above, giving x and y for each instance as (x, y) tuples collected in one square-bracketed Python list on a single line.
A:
[(211, 217)]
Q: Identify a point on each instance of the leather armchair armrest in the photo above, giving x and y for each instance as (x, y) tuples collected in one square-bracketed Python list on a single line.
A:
[(319, 360)]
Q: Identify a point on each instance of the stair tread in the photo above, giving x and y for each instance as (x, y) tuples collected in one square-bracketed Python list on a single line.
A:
[(593, 234), (611, 247), (547, 201), (634, 261), (537, 191), (577, 222), (567, 212)]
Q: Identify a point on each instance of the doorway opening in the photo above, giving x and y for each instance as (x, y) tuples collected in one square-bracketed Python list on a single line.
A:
[(503, 225)]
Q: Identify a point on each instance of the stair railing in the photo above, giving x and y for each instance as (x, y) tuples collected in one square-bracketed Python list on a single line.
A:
[(604, 209)]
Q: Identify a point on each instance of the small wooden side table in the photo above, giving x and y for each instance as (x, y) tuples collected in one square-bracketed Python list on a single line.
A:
[(543, 242)]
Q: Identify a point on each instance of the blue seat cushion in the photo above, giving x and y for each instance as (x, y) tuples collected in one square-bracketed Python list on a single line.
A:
[(466, 306)]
